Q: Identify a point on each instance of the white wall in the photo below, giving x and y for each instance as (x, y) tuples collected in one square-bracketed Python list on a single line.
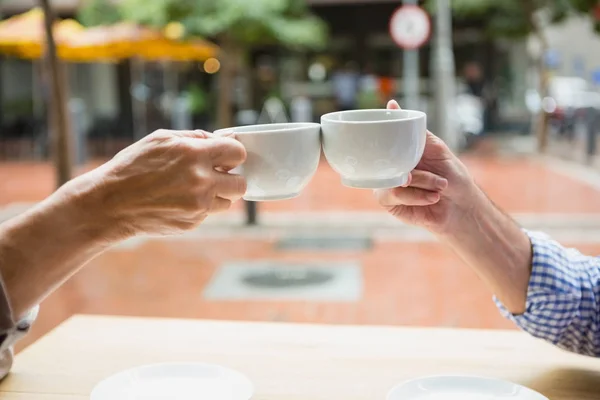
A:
[(575, 39)]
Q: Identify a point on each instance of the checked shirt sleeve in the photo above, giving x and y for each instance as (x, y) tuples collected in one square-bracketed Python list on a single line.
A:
[(563, 298)]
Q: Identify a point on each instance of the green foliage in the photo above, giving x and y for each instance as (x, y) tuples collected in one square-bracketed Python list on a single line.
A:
[(513, 18), (99, 12), (246, 22), (198, 99)]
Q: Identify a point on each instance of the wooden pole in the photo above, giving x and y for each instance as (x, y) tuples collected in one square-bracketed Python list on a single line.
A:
[(59, 118)]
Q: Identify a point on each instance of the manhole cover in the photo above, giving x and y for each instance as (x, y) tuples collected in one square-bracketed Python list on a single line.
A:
[(287, 278), (326, 243), (281, 280)]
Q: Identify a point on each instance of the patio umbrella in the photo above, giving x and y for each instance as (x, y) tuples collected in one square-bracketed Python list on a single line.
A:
[(127, 40), (162, 48), (108, 42), (23, 35)]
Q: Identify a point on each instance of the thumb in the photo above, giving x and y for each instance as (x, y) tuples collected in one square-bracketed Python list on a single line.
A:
[(196, 134), (225, 134), (393, 105)]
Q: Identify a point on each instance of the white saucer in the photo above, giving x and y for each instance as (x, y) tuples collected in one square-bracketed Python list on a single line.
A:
[(175, 381), (461, 388)]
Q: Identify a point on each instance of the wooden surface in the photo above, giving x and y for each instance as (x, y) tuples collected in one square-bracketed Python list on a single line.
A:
[(293, 362)]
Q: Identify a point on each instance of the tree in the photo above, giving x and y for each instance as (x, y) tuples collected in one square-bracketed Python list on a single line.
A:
[(237, 25), (59, 117), (518, 19), (99, 12)]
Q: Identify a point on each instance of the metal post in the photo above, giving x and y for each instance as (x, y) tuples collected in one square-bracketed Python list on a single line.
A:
[(411, 76), (591, 120), (249, 118), (251, 213), (444, 72), (77, 112)]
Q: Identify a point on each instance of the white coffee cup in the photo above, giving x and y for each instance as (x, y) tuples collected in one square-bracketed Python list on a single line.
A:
[(282, 158), (374, 149)]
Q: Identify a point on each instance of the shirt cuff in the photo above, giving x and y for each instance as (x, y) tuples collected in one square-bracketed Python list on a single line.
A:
[(553, 293)]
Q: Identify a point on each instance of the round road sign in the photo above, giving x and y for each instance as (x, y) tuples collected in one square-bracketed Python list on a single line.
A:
[(410, 27)]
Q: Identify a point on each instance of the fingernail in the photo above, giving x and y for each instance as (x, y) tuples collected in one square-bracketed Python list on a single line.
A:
[(441, 183), (393, 104), (433, 197)]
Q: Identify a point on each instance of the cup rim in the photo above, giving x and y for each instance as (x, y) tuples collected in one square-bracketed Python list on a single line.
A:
[(280, 127), (413, 115)]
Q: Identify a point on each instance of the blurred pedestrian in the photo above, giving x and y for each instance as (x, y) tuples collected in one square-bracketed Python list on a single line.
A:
[(345, 87), (480, 88)]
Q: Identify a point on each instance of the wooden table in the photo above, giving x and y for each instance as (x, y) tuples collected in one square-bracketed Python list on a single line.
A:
[(293, 362)]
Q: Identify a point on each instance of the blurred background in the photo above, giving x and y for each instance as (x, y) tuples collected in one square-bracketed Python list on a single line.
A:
[(511, 85)]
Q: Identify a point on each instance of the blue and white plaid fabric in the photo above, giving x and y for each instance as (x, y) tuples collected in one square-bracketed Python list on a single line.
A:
[(563, 298)]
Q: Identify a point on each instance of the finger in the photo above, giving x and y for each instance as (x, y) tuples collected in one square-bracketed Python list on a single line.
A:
[(196, 134), (406, 197), (408, 181), (230, 134), (428, 181), (219, 204), (393, 105), (225, 152), (227, 134), (230, 186)]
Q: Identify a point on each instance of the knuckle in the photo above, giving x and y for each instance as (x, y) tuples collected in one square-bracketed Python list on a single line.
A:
[(242, 185), (241, 153), (225, 205), (198, 217), (159, 134), (196, 179), (385, 197), (200, 205)]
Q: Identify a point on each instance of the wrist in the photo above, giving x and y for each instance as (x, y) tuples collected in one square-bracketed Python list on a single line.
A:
[(466, 214), (497, 249), (80, 201), (466, 205)]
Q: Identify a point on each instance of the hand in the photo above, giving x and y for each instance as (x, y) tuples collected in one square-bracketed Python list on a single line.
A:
[(438, 192), (168, 182)]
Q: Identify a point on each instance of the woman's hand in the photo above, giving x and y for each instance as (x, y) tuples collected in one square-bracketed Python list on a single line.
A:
[(167, 182)]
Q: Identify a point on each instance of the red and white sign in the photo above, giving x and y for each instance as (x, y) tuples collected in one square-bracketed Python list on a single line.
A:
[(410, 27)]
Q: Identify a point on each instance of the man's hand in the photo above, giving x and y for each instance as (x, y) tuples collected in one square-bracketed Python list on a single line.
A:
[(439, 192), (168, 182), (442, 197)]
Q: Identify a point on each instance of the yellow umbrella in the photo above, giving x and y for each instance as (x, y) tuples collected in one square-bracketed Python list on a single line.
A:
[(108, 42), (167, 49), (24, 36), (124, 40)]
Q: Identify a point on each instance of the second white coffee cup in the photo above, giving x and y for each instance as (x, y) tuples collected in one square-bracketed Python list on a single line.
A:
[(374, 149), (282, 158)]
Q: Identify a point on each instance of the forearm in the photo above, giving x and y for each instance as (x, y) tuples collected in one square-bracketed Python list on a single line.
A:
[(496, 248), (44, 246)]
